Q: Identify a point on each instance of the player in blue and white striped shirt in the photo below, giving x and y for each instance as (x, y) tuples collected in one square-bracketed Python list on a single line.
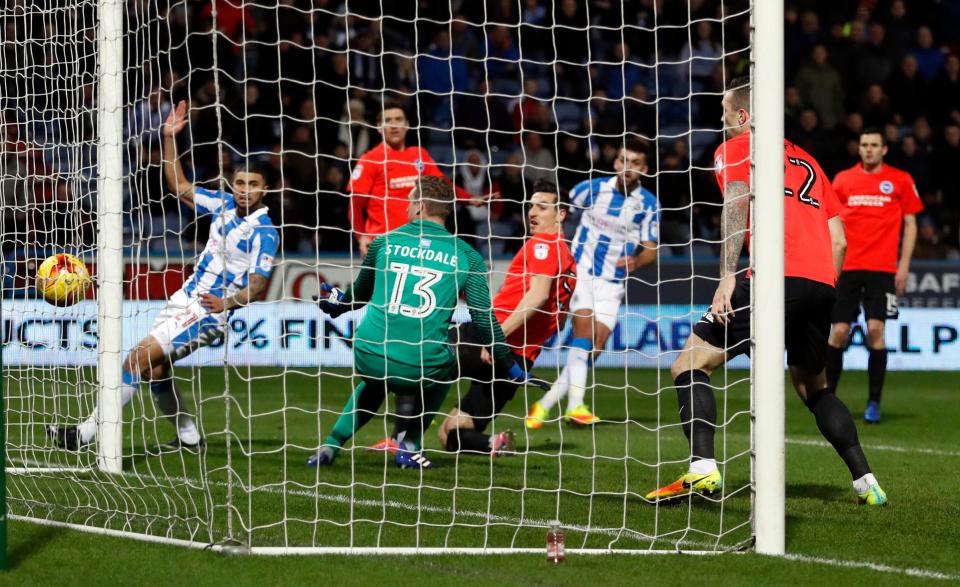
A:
[(618, 233), (232, 271)]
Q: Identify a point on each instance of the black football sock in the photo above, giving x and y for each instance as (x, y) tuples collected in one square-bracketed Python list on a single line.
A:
[(407, 418), (877, 372), (834, 367), (836, 425), (698, 411), (468, 439)]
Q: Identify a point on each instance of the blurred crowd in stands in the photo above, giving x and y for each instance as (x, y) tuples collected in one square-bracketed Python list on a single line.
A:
[(501, 93)]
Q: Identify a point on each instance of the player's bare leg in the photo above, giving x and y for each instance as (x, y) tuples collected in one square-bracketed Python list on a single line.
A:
[(836, 425), (588, 334), (458, 433)]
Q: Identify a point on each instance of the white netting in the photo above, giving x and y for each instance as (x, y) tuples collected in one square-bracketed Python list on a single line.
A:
[(500, 95)]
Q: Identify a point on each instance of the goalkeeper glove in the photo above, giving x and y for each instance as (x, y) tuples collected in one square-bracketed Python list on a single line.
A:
[(519, 375), (330, 300)]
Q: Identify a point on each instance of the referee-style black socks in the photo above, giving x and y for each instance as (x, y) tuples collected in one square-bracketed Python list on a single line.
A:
[(876, 372), (698, 411), (836, 425)]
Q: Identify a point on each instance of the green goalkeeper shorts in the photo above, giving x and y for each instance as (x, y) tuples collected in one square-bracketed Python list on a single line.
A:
[(402, 377)]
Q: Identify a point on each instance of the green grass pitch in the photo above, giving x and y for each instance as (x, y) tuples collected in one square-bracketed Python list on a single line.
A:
[(592, 480)]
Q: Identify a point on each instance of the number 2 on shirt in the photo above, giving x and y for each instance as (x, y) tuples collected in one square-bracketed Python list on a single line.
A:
[(807, 185), (428, 299)]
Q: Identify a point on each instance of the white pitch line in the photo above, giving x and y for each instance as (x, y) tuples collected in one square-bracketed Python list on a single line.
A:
[(881, 447), (346, 499), (908, 571)]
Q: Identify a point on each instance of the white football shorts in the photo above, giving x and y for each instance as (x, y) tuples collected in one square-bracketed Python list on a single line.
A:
[(601, 296), (184, 326)]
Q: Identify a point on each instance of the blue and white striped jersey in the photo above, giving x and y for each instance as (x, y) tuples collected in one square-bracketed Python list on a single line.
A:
[(236, 247), (612, 225)]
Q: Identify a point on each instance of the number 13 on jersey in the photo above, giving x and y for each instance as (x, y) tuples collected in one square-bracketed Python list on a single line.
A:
[(422, 288)]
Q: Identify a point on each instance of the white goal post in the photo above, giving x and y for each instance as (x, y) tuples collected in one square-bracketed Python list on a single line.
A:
[(267, 393)]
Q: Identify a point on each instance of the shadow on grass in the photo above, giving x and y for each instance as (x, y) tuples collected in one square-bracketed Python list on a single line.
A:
[(38, 538), (821, 491)]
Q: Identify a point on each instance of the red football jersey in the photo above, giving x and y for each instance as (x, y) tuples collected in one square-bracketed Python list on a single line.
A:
[(380, 184), (543, 254), (810, 202), (874, 205)]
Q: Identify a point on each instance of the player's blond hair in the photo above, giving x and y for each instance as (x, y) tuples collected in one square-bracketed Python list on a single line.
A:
[(436, 195)]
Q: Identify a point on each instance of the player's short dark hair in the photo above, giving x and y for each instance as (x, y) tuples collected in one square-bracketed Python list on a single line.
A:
[(548, 187), (391, 105), (251, 167), (436, 195), (739, 88), (635, 145), (873, 130)]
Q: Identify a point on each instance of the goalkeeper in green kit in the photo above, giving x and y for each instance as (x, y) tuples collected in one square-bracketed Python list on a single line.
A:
[(411, 279)]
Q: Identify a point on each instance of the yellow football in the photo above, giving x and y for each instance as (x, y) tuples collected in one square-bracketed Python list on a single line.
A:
[(63, 279)]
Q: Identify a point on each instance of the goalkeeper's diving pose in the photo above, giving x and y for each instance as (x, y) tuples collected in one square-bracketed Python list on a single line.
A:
[(410, 281)]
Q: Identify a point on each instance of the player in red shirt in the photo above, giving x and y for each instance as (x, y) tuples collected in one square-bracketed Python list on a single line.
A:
[(813, 253), (531, 307), (877, 201), (383, 176)]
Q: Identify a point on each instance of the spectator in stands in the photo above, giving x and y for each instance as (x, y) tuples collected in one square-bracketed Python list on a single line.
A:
[(513, 189), (354, 128), (875, 106), (703, 55), (538, 162), (820, 87), (909, 91), (440, 72), (947, 162), (929, 58), (621, 74), (475, 113), (946, 92), (914, 161), (873, 60), (930, 243), (900, 32)]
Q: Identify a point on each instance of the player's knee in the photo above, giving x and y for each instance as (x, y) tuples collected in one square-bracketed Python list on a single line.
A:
[(875, 335), (839, 334), (815, 397)]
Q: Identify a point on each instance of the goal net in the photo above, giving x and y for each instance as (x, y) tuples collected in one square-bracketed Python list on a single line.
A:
[(499, 95)]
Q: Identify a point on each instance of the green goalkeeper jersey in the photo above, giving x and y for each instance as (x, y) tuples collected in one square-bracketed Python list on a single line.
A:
[(411, 280)]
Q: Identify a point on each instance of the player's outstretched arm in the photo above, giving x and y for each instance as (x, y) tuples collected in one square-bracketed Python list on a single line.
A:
[(255, 288), (172, 169), (533, 300), (838, 240)]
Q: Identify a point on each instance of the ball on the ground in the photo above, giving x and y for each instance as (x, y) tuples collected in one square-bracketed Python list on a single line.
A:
[(63, 279)]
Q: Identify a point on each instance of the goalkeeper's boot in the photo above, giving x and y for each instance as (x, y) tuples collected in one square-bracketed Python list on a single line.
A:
[(707, 485), (580, 416), (872, 496), (872, 414), (66, 437), (409, 458), (503, 443), (324, 457), (388, 445), (176, 444), (537, 417)]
